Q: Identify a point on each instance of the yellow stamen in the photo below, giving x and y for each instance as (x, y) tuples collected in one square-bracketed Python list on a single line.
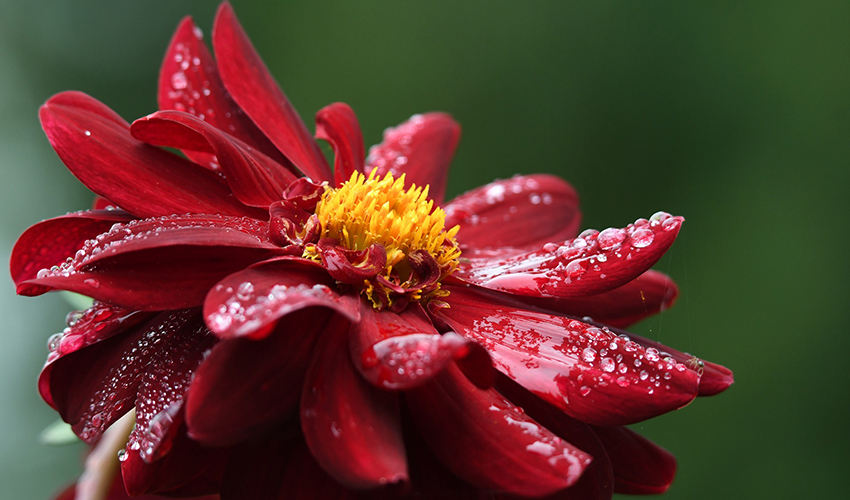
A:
[(367, 210)]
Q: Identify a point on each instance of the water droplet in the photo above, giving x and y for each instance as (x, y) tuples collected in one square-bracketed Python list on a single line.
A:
[(584, 391), (652, 354), (608, 365), (88, 133), (179, 81), (588, 354), (54, 341), (92, 282), (643, 375), (122, 455), (642, 238), (611, 238), (622, 381), (72, 317)]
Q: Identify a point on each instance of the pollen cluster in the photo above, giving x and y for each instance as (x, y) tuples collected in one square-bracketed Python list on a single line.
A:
[(367, 210)]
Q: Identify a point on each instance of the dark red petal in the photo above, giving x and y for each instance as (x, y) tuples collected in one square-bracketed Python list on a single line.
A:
[(402, 351), (352, 266), (714, 378), (650, 293), (640, 466), (597, 481), (421, 148), (337, 124), (486, 440), (590, 264), (50, 242), (96, 324), (117, 492), (189, 81), (249, 302), (522, 213), (245, 386), (188, 469), (159, 264), (94, 386), (254, 178), (253, 88), (589, 372), (278, 470), (96, 146), (353, 429), (159, 404)]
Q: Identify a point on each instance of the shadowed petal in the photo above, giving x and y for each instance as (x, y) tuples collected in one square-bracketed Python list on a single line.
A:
[(486, 440), (337, 124), (158, 264), (50, 242), (421, 148), (118, 492), (353, 429), (590, 264), (650, 293), (254, 178), (402, 351), (94, 386), (245, 386), (640, 466), (189, 81), (589, 372), (249, 302), (96, 146), (252, 87), (278, 470), (515, 215)]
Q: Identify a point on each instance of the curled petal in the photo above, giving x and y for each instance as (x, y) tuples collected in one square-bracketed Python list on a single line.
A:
[(189, 81), (50, 242), (650, 293), (159, 264), (352, 428), (249, 303), (96, 146), (589, 372), (352, 266), (245, 386), (515, 215), (252, 87), (337, 124), (486, 440), (590, 264), (640, 466), (402, 351), (94, 386), (421, 148), (255, 179)]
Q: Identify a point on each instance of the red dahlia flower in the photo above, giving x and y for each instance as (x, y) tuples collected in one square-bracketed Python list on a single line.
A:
[(282, 328)]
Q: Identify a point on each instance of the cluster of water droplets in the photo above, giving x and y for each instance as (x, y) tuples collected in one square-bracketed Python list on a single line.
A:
[(249, 308), (573, 259), (97, 323), (110, 242), (116, 392), (497, 193), (394, 159)]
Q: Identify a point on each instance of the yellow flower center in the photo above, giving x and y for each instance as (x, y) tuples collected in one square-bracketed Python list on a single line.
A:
[(367, 210)]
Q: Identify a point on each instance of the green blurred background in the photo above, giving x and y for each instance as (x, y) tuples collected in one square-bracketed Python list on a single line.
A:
[(733, 115)]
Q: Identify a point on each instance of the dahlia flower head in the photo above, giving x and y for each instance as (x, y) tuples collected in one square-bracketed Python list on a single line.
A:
[(284, 329)]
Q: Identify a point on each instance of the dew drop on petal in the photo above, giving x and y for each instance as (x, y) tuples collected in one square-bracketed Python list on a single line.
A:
[(584, 390), (588, 354), (54, 341), (642, 238), (608, 365), (611, 238), (179, 81)]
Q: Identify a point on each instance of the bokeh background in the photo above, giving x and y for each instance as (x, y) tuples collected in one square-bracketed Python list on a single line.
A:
[(732, 114)]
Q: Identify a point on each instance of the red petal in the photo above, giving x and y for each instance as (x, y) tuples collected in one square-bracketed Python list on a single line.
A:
[(189, 81), (93, 387), (640, 466), (352, 428), (50, 242), (522, 213), (487, 441), (650, 293), (188, 469), (97, 323), (96, 146), (159, 264), (253, 88), (254, 178), (249, 302), (590, 264), (402, 351), (421, 148), (714, 378), (276, 470), (245, 386), (117, 492), (337, 124), (589, 372)]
